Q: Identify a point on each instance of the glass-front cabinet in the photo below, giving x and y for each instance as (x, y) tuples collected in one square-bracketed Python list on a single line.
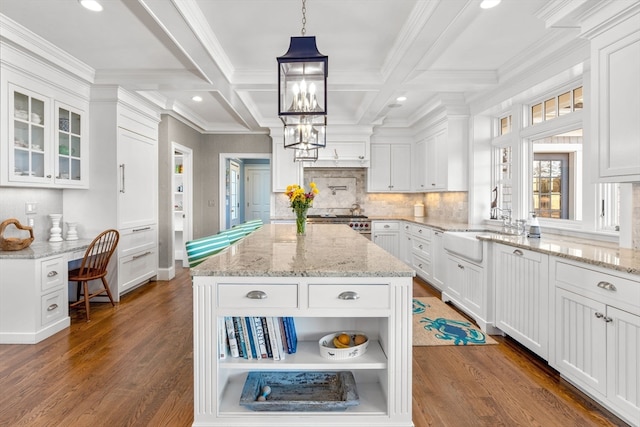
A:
[(70, 142), (46, 142), (28, 136)]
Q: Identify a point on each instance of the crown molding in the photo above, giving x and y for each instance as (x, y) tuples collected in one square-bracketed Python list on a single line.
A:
[(35, 45)]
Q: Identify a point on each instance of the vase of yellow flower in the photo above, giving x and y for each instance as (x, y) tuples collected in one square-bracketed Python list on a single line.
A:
[(300, 201)]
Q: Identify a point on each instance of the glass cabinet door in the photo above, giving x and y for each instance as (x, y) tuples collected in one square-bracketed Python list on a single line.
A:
[(69, 136), (28, 138)]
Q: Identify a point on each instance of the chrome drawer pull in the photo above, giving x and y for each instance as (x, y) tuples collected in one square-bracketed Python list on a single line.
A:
[(460, 266), (420, 265), (420, 246), (518, 252), (256, 295), (387, 226), (52, 273), (420, 231), (135, 230), (608, 286), (599, 315), (349, 295), (608, 319), (141, 255), (52, 307)]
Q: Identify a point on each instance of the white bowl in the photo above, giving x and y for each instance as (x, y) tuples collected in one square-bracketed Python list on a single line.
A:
[(329, 351)]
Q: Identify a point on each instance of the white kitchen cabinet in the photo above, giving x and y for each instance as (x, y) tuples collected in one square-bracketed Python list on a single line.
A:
[(405, 242), (467, 286), (596, 332), (386, 234), (343, 154), (382, 374), (441, 159), (421, 253), (285, 170), (615, 67), (33, 299), (438, 256), (45, 140), (125, 191), (390, 169), (522, 296)]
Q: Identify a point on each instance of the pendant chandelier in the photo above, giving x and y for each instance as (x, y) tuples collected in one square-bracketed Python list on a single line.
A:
[(302, 93)]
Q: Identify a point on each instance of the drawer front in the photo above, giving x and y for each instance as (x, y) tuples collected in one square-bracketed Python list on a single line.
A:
[(421, 247), (241, 295), (385, 226), (53, 307), (607, 288), (137, 239), (422, 266), (53, 273), (349, 296), (420, 231), (135, 269)]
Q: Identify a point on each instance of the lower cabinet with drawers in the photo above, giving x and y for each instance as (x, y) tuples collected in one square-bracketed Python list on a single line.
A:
[(596, 332), (377, 306), (33, 299)]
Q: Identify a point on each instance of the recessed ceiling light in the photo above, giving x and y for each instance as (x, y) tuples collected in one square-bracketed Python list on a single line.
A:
[(197, 98), (401, 98), (92, 5), (488, 4)]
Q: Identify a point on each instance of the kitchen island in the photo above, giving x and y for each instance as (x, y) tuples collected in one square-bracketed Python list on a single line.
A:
[(330, 280)]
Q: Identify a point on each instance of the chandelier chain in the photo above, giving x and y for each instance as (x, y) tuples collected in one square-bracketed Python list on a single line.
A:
[(304, 17)]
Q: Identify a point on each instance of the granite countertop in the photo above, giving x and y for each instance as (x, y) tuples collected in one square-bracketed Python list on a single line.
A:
[(45, 249), (327, 250), (601, 254)]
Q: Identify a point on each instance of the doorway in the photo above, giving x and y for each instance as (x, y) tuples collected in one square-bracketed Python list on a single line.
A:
[(182, 201), (258, 165)]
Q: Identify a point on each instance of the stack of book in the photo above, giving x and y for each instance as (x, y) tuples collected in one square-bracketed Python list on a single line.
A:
[(257, 337)]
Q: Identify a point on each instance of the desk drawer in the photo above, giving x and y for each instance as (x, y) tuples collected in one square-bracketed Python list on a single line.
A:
[(53, 307), (247, 295), (53, 273), (339, 296), (421, 247)]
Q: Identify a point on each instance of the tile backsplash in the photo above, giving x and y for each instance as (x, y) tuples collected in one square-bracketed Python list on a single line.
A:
[(349, 185)]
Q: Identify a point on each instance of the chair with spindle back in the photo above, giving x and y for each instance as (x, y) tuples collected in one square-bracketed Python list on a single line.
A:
[(93, 267)]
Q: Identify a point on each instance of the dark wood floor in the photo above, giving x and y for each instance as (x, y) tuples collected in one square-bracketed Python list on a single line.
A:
[(132, 366)]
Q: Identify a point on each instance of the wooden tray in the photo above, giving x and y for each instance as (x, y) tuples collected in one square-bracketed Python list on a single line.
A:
[(301, 391)]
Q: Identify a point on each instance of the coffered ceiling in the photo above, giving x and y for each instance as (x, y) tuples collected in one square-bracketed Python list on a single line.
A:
[(225, 51)]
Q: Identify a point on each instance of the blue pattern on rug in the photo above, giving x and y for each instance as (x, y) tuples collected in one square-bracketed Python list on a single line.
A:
[(461, 333)]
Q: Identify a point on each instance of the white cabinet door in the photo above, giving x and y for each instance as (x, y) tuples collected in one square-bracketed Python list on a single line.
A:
[(579, 336), (137, 169), (623, 356), (400, 167), (390, 169), (285, 171), (438, 258), (380, 171), (522, 296), (616, 98)]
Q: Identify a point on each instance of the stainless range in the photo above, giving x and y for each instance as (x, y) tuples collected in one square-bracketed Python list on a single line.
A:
[(359, 223)]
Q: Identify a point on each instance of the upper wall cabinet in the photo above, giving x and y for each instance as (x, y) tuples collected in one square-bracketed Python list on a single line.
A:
[(440, 162), (615, 56), (44, 132), (390, 169), (285, 171), (342, 154)]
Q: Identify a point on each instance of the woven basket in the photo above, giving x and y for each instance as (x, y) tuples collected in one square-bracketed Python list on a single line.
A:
[(14, 243)]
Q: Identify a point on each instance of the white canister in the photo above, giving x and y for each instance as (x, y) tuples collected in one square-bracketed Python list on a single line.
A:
[(418, 210)]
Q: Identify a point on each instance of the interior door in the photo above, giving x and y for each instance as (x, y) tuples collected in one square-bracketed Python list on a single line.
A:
[(257, 189), (234, 193)]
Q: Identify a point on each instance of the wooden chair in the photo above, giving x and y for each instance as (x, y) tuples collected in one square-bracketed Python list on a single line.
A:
[(94, 266)]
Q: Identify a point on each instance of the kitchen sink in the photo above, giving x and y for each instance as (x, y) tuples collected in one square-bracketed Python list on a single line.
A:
[(464, 244)]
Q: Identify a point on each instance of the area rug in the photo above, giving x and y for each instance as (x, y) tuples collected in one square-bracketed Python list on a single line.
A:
[(435, 323)]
